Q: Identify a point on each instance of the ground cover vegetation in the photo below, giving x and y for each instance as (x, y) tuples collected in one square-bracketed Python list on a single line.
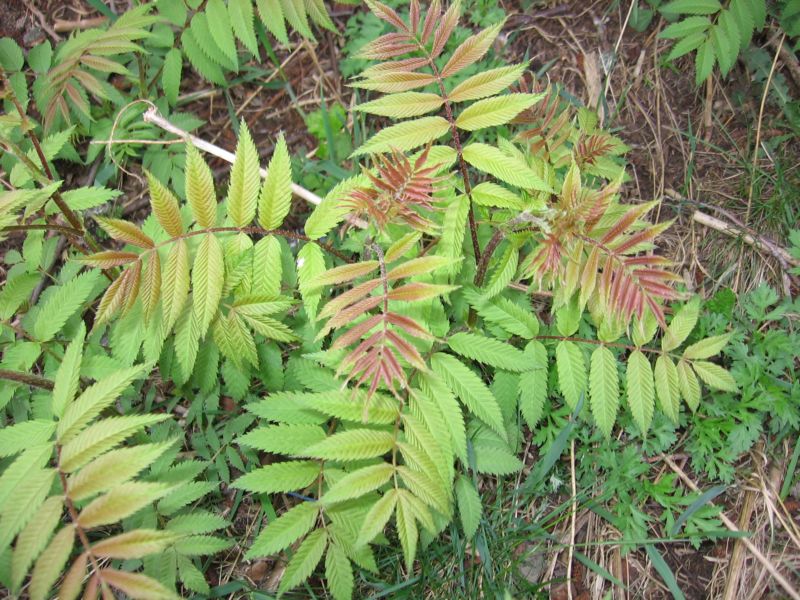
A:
[(422, 309)]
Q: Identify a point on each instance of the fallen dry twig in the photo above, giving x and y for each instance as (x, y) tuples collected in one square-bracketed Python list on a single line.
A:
[(152, 116)]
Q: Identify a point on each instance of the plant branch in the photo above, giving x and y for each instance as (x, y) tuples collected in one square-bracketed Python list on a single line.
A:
[(448, 109), (255, 230), (27, 379), (68, 213), (73, 515), (43, 226)]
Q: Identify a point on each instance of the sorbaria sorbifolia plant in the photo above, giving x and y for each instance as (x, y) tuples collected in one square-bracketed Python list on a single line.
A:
[(391, 358)]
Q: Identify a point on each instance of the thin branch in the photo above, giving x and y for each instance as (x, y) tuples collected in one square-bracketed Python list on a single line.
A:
[(26, 378), (254, 230)]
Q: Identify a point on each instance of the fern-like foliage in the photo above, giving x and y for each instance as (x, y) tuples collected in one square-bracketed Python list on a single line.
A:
[(191, 282), (64, 90), (211, 35), (716, 33), (74, 466)]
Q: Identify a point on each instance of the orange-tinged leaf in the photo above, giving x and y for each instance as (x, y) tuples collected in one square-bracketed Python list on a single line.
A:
[(344, 273), (418, 266), (125, 232), (165, 206), (136, 585), (151, 285), (108, 259), (471, 50), (412, 292)]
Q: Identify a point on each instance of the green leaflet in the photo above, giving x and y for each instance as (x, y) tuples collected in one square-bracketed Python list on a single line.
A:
[(304, 560), (486, 83), (200, 189), (62, 303), (640, 389), (355, 444), (338, 572), (208, 276), (491, 112), (402, 105), (280, 477), (667, 387), (715, 376), (604, 389), (469, 506), (358, 483), (571, 372), (245, 180), (488, 351), (405, 136), (276, 194), (507, 168), (285, 530), (470, 390), (681, 325)]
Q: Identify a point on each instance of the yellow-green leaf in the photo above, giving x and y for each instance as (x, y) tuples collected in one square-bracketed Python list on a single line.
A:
[(405, 136)]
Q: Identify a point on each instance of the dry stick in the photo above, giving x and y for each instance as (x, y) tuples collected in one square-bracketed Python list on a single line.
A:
[(737, 556), (152, 116), (755, 155), (757, 554), (756, 241)]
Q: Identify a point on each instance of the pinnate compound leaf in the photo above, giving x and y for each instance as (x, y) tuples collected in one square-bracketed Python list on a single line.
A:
[(486, 83), (469, 506), (304, 560), (499, 110), (507, 168), (488, 351), (715, 376), (405, 136), (285, 530), (276, 193), (200, 189), (571, 372), (640, 389), (470, 389)]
